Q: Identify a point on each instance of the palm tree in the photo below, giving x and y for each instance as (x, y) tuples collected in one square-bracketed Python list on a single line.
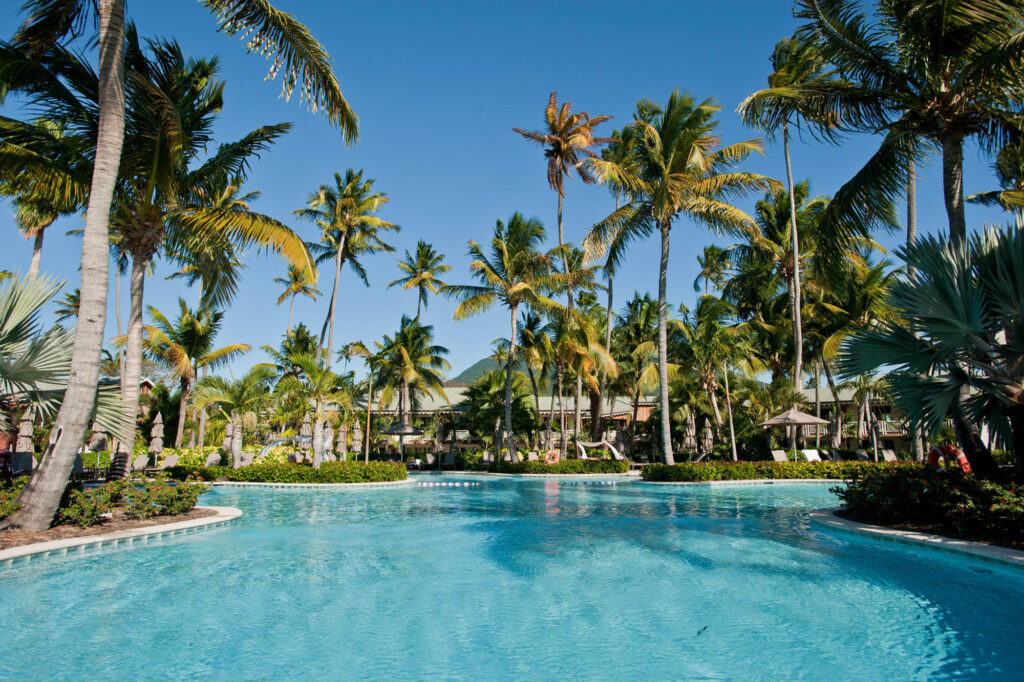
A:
[(714, 267), (318, 385), (421, 273), (358, 349), (484, 403), (535, 350), (185, 346), (249, 394), (680, 170), (514, 274), (795, 62), (957, 326), (345, 214), (1009, 168), (411, 364), (934, 73), (635, 353), (68, 307), (298, 58), (296, 283)]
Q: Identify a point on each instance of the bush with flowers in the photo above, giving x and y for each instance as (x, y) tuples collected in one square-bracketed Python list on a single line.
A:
[(133, 498)]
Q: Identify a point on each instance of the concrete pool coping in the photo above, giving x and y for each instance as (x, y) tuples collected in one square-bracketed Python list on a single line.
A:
[(628, 475), (317, 486), (41, 550), (992, 553)]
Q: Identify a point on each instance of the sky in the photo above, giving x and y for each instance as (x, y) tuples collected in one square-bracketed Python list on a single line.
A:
[(438, 88)]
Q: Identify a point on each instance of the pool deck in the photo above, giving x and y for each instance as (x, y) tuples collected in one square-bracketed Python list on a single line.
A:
[(1000, 555), (80, 545)]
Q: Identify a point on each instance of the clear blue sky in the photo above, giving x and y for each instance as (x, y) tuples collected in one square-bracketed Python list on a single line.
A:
[(438, 87)]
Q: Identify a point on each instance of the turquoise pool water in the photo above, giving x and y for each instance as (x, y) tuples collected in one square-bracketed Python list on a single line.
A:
[(514, 579)]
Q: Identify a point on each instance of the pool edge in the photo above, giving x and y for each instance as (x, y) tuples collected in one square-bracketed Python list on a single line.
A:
[(25, 553), (317, 486), (991, 553)]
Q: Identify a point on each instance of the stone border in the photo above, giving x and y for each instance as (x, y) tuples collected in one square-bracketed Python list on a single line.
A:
[(316, 486), (42, 550), (627, 475), (750, 482), (976, 550)]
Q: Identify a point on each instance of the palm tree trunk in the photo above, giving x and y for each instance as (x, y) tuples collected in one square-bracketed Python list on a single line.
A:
[(817, 405), (562, 440), (953, 187), (798, 333), (536, 400), (509, 438), (133, 354), (403, 409), (318, 436), (710, 387), (369, 409), (419, 300), (291, 307), (837, 409), (202, 420), (182, 408), (595, 426), (728, 406), (37, 253), (40, 498), (334, 303), (917, 445), (632, 423), (666, 426)]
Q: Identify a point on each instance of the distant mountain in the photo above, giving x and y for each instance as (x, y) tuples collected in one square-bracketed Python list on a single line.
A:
[(477, 370)]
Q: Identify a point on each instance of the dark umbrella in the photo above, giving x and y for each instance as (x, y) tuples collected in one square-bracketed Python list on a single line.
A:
[(402, 430)]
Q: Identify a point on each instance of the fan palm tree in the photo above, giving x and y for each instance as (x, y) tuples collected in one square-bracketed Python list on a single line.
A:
[(681, 170), (296, 283), (249, 394), (514, 274), (185, 346), (297, 57), (421, 273), (349, 227), (318, 385), (957, 326)]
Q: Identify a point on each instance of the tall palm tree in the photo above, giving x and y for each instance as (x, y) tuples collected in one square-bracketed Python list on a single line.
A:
[(422, 273), (318, 385), (236, 398), (68, 307), (410, 364), (534, 350), (185, 346), (300, 61), (636, 355), (795, 62), (1009, 168), (296, 283), (514, 273), (346, 215), (714, 265), (923, 72), (358, 349), (681, 170)]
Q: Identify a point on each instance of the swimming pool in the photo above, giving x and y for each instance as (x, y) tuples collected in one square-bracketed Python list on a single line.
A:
[(513, 578)]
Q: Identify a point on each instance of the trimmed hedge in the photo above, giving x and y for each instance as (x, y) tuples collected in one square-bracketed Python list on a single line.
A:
[(329, 472), (747, 471), (563, 466), (948, 502)]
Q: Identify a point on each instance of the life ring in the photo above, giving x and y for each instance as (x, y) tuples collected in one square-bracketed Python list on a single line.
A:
[(936, 454), (551, 457)]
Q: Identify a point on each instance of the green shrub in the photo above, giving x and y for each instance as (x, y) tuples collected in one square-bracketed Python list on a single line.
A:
[(563, 466), (951, 501), (470, 461), (746, 471), (83, 507), (136, 497), (329, 472), (9, 491)]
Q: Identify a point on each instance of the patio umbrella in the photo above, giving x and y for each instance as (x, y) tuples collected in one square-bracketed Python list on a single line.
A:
[(793, 417), (707, 438), (690, 440), (402, 430), (156, 438), (328, 443), (305, 434), (357, 438), (549, 438)]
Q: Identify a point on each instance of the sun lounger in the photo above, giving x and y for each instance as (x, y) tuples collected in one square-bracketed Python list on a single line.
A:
[(779, 456), (811, 456), (487, 457), (213, 459), (169, 462), (889, 455), (863, 456), (532, 457), (140, 463)]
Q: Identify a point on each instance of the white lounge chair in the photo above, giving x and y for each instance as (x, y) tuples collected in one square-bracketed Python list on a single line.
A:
[(140, 462), (889, 455), (811, 456), (863, 456), (779, 456), (213, 459), (169, 462), (532, 457)]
